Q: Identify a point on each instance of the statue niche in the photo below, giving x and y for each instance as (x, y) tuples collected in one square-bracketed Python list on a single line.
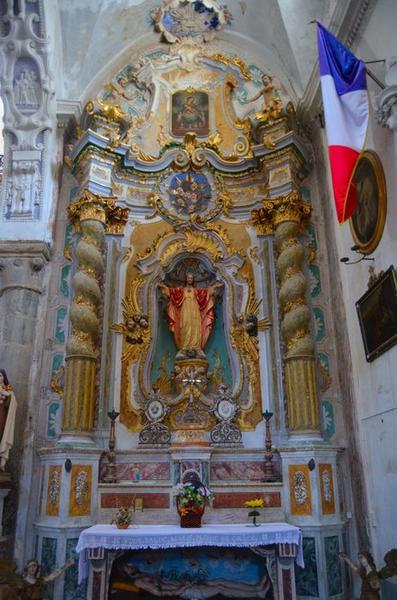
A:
[(190, 296)]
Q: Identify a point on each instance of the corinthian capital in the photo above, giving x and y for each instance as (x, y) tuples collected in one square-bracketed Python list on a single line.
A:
[(288, 208)]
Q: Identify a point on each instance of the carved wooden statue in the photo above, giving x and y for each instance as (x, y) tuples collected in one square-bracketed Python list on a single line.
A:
[(8, 407), (28, 586), (191, 315), (371, 578)]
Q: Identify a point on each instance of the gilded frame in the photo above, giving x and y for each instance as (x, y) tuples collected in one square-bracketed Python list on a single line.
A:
[(368, 220), (377, 315)]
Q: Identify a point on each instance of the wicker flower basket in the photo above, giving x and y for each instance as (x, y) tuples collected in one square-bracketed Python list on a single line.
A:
[(191, 515)]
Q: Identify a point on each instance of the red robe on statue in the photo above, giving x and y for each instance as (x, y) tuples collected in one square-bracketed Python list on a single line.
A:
[(190, 310)]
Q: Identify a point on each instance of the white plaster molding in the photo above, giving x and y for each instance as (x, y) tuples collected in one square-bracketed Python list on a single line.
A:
[(67, 110), (27, 94), (386, 107)]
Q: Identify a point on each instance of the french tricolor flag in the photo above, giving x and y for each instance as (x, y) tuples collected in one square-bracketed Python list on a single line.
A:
[(345, 100)]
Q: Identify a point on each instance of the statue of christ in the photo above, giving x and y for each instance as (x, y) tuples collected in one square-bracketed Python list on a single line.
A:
[(190, 315)]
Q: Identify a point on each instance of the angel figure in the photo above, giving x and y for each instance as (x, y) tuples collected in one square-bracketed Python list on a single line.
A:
[(371, 578), (272, 105), (245, 332), (135, 328), (30, 585)]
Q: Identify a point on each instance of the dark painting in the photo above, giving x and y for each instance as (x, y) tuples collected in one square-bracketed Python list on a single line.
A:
[(190, 113), (377, 313), (368, 219)]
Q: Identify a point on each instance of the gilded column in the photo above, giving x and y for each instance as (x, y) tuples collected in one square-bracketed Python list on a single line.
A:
[(90, 215), (284, 216)]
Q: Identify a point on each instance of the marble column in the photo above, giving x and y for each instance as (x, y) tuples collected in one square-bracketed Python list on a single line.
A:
[(283, 216), (90, 215), (22, 281)]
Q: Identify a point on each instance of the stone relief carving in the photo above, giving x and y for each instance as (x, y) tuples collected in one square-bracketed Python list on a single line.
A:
[(24, 190), (27, 91), (29, 112)]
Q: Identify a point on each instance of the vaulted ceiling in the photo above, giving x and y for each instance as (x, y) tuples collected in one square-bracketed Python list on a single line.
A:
[(97, 34)]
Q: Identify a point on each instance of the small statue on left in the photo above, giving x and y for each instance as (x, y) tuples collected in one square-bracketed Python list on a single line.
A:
[(28, 586), (8, 409)]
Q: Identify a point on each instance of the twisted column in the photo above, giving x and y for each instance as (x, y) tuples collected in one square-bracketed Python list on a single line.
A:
[(284, 216), (90, 215)]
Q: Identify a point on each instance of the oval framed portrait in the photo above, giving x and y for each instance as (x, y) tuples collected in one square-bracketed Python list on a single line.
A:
[(368, 220)]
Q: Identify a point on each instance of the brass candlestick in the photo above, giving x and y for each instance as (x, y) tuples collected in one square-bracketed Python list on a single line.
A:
[(111, 474), (268, 467)]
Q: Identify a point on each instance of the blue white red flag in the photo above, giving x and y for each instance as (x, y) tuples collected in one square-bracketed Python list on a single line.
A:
[(345, 100)]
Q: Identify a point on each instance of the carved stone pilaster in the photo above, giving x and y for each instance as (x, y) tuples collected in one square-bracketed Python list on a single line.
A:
[(27, 94), (90, 215), (284, 216), (21, 265)]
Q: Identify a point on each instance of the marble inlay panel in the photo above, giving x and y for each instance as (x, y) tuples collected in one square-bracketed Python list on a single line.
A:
[(137, 471), (334, 570), (307, 579), (154, 500), (80, 490), (237, 499), (300, 490), (71, 590), (237, 471), (287, 585), (53, 490), (48, 561), (327, 489)]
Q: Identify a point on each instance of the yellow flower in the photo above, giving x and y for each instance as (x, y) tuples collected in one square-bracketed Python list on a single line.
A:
[(257, 503)]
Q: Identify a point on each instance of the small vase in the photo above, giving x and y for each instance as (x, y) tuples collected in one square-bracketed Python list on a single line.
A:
[(122, 525)]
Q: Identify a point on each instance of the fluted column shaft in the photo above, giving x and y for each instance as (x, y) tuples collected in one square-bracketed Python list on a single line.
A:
[(89, 215)]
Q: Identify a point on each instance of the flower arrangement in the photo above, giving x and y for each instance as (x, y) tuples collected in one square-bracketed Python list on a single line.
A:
[(254, 504), (191, 497), (123, 517), (191, 494)]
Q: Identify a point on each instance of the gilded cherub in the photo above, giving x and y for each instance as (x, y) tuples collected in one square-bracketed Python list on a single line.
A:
[(272, 105), (135, 327)]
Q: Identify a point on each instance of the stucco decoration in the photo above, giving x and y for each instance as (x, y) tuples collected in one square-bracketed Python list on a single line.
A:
[(28, 112), (164, 95), (177, 20)]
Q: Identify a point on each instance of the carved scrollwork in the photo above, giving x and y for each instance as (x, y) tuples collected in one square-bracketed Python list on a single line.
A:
[(155, 435)]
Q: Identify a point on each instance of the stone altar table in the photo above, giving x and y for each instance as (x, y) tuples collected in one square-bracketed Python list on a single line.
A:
[(99, 545)]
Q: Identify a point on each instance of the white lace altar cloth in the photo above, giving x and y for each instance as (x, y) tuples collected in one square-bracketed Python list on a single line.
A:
[(138, 537)]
